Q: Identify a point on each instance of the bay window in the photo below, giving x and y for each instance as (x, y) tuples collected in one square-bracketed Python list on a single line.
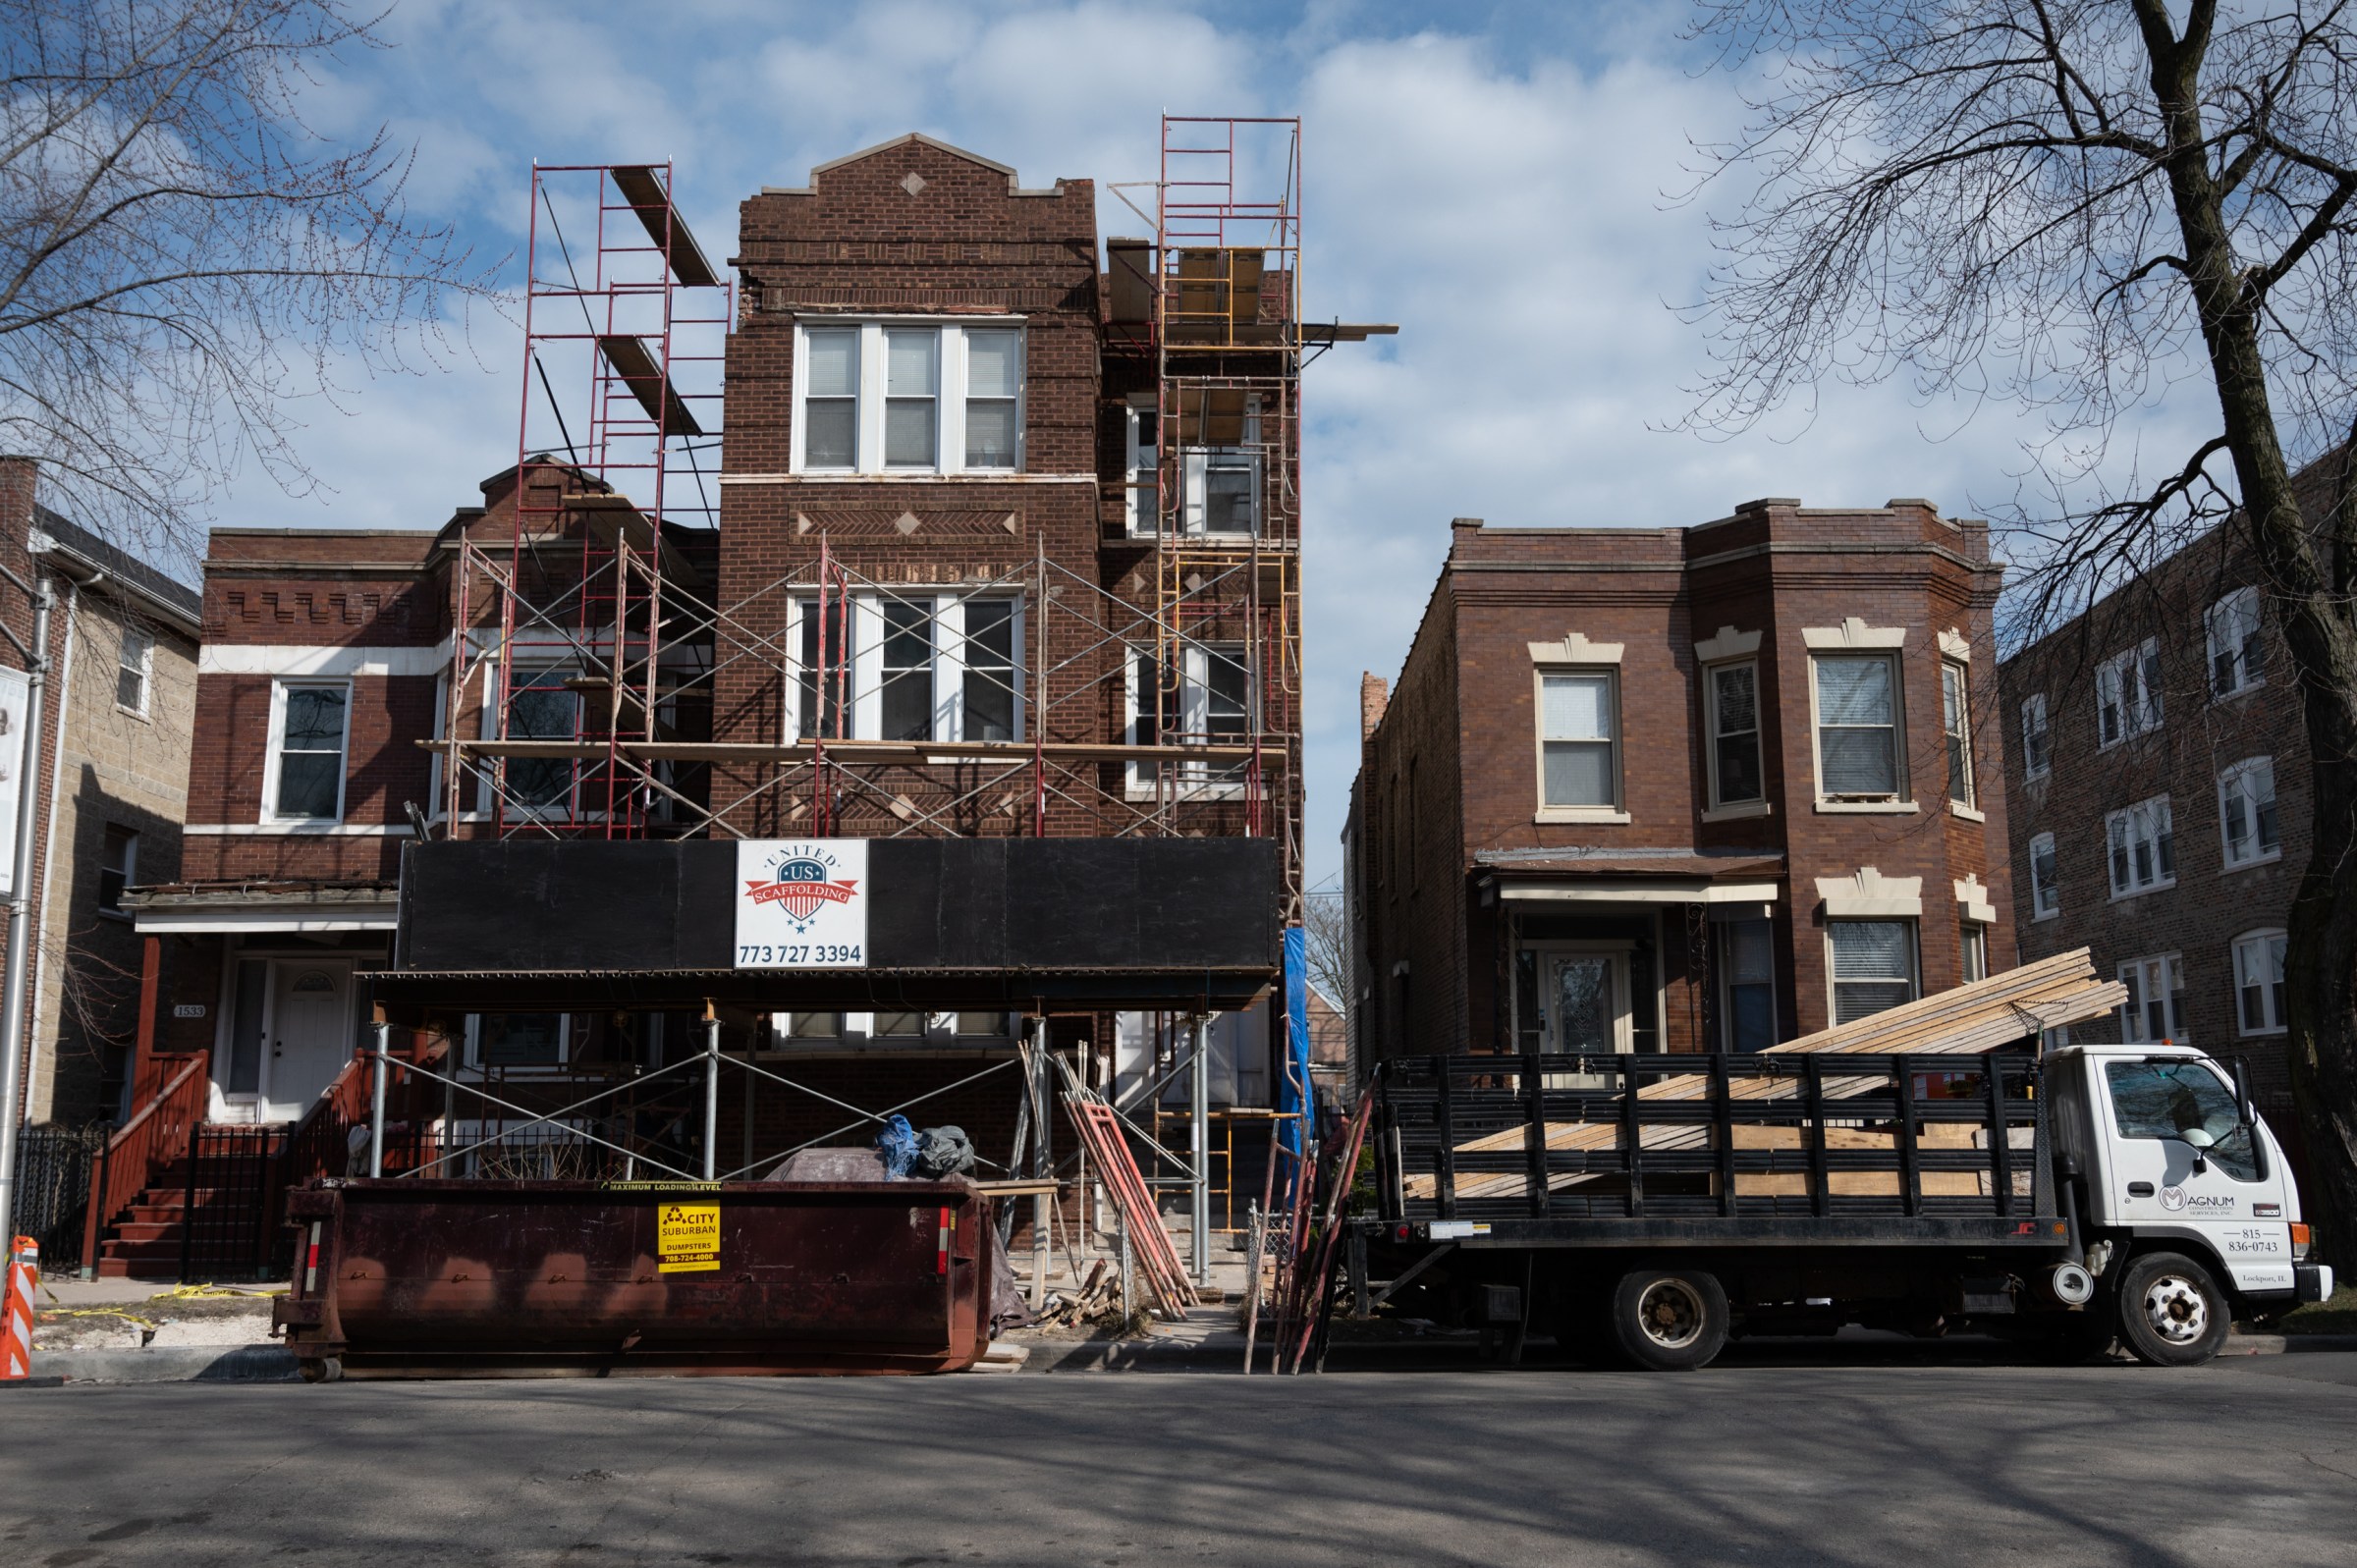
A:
[(1580, 764), (1735, 696), (1857, 727)]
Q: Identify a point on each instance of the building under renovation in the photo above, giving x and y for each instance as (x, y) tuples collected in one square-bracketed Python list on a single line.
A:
[(874, 689)]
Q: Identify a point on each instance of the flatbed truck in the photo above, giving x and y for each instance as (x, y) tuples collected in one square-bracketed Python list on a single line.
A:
[(1646, 1208)]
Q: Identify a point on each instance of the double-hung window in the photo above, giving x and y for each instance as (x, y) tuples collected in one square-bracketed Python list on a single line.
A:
[(1972, 939), (1580, 764), (2141, 844), (303, 778), (2046, 882), (2232, 626), (2036, 757), (1857, 727), (2259, 982), (1735, 698), (906, 666), (1873, 964), (542, 705), (2246, 812), (1955, 721), (907, 397), (2154, 1008), (1747, 981), (2127, 693), (1201, 697), (1143, 468), (134, 671)]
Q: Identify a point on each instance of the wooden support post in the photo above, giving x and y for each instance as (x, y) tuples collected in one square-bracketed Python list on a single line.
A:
[(145, 1079)]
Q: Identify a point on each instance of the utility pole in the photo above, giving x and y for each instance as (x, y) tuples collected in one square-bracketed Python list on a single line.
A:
[(19, 892)]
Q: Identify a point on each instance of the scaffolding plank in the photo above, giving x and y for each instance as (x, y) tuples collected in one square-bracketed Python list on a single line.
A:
[(1011, 752), (629, 356), (647, 199)]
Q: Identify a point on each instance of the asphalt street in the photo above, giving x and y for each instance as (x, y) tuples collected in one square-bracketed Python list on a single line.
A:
[(1827, 1458)]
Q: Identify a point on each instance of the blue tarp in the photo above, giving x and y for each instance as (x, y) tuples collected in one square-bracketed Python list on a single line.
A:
[(1293, 1083)]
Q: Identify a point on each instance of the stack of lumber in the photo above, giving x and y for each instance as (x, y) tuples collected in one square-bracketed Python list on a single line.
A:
[(1099, 1296), (1969, 1020)]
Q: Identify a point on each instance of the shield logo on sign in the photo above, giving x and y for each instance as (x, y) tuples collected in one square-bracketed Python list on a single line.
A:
[(792, 875)]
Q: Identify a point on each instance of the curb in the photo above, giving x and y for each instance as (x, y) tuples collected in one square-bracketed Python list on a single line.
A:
[(2287, 1344), (178, 1364)]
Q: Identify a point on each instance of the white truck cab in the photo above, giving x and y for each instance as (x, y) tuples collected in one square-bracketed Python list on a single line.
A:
[(2187, 1210)]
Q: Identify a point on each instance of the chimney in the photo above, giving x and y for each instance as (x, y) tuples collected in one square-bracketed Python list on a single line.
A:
[(1373, 695), (18, 476)]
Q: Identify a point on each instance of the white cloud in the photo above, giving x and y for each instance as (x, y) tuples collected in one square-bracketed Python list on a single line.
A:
[(1498, 198)]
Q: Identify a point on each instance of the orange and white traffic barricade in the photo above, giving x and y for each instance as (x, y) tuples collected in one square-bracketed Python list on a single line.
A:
[(24, 1276)]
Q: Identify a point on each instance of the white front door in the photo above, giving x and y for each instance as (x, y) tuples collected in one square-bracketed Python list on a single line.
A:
[(1583, 1008), (308, 1036)]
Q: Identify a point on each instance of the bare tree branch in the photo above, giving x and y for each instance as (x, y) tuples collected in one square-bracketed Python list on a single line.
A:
[(185, 263)]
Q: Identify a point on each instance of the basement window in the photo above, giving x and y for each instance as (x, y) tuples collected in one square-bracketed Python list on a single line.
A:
[(907, 397)]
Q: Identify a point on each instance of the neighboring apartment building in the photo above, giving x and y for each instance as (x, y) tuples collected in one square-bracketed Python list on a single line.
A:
[(111, 794), (1682, 789), (325, 665), (2161, 803)]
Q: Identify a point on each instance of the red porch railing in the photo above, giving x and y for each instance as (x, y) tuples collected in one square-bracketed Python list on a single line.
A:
[(151, 1140)]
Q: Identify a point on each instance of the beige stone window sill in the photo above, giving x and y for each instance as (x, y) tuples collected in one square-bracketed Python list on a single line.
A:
[(1739, 811), (1868, 808), (1957, 808), (1591, 814)]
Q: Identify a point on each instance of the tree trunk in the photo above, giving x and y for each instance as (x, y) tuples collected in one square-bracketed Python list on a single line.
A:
[(2320, 968)]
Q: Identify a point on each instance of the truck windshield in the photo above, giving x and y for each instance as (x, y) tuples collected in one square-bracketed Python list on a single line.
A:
[(2170, 1099)]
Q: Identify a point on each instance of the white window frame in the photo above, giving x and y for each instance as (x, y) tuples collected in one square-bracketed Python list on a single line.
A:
[(1902, 796), (1141, 505), (1195, 465), (2135, 1014), (1972, 958), (1615, 810), (865, 703), (2150, 821), (2235, 783), (2045, 898), (2238, 610), (1756, 804), (277, 745), (144, 668), (2037, 740), (2266, 946), (1915, 956), (2127, 683), (1955, 729), (950, 371), (1195, 780)]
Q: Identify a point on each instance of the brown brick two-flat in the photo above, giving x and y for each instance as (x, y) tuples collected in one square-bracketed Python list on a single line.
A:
[(1465, 880)]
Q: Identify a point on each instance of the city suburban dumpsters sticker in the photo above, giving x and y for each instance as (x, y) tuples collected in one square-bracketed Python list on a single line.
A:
[(687, 1238), (801, 903)]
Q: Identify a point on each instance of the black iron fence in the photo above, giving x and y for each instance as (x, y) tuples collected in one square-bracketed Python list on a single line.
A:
[(53, 1189), (229, 1211)]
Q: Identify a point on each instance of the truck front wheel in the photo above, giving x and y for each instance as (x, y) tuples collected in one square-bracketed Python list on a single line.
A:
[(1668, 1320), (2171, 1311)]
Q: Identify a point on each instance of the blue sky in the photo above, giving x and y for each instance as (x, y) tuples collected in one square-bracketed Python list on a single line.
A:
[(1495, 179)]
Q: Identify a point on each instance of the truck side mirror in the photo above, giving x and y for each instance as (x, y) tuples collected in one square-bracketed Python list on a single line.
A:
[(2244, 1117)]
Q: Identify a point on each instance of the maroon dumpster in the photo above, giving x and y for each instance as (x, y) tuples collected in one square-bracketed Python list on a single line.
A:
[(423, 1279)]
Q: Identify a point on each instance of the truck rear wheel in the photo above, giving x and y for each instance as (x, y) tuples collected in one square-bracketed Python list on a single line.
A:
[(1668, 1319), (2171, 1311)]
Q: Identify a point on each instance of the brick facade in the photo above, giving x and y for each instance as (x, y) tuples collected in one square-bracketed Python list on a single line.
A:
[(2205, 726), (1463, 877)]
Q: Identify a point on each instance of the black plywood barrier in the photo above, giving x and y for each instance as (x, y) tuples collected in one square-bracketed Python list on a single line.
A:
[(1083, 907)]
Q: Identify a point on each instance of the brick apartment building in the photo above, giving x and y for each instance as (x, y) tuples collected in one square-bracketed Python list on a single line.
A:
[(1002, 545), (2160, 776), (1682, 789), (110, 795)]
